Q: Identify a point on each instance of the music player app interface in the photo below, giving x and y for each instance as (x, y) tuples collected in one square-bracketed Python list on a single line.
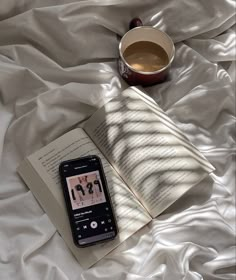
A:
[(88, 201)]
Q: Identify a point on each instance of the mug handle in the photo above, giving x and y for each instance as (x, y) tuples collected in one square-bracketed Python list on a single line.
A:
[(135, 22)]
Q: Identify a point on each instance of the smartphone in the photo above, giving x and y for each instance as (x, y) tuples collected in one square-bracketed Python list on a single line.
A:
[(88, 201)]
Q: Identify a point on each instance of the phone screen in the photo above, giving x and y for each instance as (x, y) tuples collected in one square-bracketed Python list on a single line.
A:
[(87, 200)]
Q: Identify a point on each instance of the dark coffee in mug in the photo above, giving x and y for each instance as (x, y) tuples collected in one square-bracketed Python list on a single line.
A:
[(146, 56)]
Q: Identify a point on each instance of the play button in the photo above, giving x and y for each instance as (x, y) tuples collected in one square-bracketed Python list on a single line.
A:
[(94, 224)]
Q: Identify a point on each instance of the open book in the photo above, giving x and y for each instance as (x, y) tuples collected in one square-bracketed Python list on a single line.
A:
[(147, 161)]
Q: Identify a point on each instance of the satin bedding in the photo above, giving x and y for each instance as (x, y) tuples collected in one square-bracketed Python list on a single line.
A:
[(57, 66)]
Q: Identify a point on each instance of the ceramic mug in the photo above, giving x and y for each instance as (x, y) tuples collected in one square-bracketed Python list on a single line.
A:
[(137, 33)]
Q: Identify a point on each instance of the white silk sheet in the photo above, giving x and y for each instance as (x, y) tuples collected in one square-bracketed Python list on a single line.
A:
[(57, 66)]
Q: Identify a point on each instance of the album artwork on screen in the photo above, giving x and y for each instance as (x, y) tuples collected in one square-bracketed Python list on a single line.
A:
[(85, 190)]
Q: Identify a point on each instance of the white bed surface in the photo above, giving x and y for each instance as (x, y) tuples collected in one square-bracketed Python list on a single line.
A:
[(57, 66)]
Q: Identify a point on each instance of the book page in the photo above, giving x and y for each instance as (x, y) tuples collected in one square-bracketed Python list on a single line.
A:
[(41, 174), (153, 157)]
